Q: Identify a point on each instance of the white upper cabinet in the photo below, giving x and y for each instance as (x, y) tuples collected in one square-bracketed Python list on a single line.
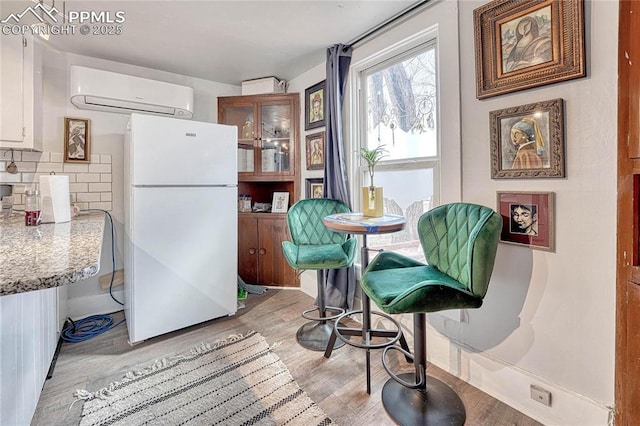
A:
[(20, 93)]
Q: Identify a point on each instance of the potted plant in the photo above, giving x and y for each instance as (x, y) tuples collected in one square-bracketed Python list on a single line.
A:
[(372, 199)]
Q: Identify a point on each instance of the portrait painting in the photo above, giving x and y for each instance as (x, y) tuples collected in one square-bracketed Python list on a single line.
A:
[(527, 219), (315, 187), (525, 44), (526, 41), (314, 102), (76, 140), (527, 141), (315, 151)]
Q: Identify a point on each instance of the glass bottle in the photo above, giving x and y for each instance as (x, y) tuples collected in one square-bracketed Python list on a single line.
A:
[(32, 207)]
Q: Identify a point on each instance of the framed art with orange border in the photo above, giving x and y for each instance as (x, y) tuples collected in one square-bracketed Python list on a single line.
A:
[(522, 44), (527, 219)]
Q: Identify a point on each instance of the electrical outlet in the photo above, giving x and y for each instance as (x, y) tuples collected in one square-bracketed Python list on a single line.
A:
[(541, 395)]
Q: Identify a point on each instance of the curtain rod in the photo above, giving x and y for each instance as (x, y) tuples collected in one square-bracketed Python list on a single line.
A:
[(387, 22)]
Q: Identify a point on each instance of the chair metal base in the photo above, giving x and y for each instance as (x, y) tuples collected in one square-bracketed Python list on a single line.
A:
[(341, 335), (315, 336), (393, 336), (438, 405)]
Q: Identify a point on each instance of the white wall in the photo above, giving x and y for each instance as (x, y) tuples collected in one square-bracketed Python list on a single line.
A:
[(549, 317), (315, 75), (553, 314), (107, 137)]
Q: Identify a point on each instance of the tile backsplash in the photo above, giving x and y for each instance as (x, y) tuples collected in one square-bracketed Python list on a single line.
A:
[(89, 184)]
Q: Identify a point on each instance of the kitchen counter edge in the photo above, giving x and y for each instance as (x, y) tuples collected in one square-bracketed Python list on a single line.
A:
[(49, 255)]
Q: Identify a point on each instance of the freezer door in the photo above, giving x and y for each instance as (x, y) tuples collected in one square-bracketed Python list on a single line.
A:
[(183, 267), (171, 151)]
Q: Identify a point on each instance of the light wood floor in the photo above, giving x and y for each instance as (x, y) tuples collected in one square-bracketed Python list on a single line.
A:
[(336, 384)]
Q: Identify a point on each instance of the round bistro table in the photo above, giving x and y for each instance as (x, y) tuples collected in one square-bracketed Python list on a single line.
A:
[(357, 223)]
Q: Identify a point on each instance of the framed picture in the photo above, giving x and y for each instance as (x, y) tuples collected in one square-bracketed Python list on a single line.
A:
[(77, 136), (280, 202), (315, 188), (314, 111), (527, 141), (527, 219), (315, 151), (524, 44)]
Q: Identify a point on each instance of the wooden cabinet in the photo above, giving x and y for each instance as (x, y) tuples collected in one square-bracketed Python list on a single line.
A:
[(20, 93), (627, 392), (260, 258), (268, 140), (267, 134)]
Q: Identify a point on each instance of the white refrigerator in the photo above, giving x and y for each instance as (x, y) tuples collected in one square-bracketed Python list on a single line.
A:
[(180, 201)]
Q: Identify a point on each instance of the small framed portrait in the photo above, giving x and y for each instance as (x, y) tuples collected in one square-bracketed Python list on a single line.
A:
[(315, 188), (527, 219), (527, 141), (315, 151), (77, 137), (314, 110), (524, 44), (280, 202)]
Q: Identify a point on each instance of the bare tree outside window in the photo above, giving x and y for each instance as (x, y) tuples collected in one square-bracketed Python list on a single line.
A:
[(401, 103)]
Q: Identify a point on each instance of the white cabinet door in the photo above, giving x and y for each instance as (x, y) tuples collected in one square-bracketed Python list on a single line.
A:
[(11, 89), (28, 333), (20, 92)]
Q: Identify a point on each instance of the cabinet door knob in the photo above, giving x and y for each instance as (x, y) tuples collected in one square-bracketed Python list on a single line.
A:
[(262, 251), (252, 251)]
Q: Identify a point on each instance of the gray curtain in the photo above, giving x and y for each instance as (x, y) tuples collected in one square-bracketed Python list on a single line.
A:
[(341, 283)]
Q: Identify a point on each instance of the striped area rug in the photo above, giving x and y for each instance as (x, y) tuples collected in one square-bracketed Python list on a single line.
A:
[(238, 381)]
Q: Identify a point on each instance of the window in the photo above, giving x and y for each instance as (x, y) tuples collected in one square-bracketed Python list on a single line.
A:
[(399, 111)]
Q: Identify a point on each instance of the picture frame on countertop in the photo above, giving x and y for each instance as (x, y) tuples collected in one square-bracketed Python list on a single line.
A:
[(527, 141), (527, 219), (524, 44), (314, 106), (280, 202), (77, 140), (315, 187)]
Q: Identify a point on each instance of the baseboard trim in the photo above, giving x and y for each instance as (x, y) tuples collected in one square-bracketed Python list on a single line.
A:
[(510, 385)]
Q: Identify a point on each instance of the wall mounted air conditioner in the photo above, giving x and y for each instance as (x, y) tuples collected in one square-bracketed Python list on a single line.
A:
[(108, 91)]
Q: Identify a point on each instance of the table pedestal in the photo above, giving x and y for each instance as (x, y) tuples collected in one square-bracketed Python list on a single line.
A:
[(366, 332)]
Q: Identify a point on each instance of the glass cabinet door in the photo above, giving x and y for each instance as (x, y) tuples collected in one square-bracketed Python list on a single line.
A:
[(242, 118), (275, 140)]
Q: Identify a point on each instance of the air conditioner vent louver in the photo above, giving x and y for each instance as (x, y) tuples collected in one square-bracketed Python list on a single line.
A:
[(108, 91)]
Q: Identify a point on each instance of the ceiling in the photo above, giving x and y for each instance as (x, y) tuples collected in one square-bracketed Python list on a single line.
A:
[(223, 41)]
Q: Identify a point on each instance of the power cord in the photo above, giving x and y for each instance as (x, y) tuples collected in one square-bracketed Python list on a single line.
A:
[(87, 328), (113, 252), (91, 326)]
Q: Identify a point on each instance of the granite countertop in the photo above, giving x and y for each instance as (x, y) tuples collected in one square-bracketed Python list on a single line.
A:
[(48, 255)]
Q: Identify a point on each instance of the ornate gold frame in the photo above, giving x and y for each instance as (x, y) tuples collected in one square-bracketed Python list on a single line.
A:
[(565, 39), (549, 117)]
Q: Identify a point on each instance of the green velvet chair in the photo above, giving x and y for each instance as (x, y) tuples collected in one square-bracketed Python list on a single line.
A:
[(315, 247), (459, 241)]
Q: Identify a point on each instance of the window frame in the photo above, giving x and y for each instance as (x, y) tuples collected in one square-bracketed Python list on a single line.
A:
[(359, 73)]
